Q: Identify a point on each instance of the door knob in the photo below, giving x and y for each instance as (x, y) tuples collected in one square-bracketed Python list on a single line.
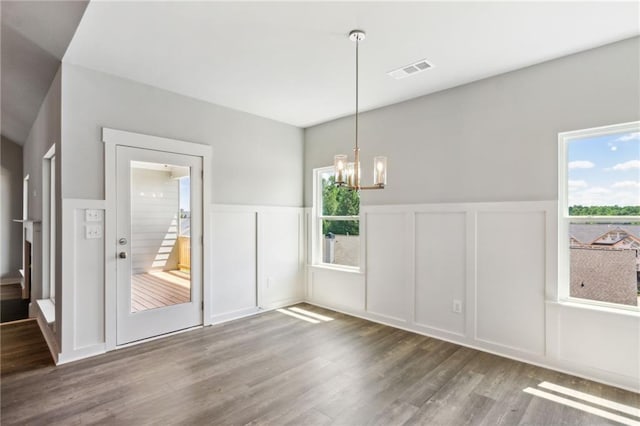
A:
[(122, 255)]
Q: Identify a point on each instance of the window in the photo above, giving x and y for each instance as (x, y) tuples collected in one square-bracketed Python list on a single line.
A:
[(337, 222), (599, 177), (49, 224)]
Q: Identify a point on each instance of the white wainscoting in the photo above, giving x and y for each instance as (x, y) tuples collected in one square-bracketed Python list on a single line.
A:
[(336, 288), (499, 261), (82, 309), (233, 263), (387, 256), (510, 279), (257, 259), (440, 257)]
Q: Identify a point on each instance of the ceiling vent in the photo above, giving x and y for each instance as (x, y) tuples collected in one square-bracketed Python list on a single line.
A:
[(411, 69)]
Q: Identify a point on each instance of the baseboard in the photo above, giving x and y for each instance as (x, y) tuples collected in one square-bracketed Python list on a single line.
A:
[(81, 353), (233, 315), (49, 337), (585, 372)]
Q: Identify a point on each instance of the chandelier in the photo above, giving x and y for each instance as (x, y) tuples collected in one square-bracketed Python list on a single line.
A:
[(347, 174)]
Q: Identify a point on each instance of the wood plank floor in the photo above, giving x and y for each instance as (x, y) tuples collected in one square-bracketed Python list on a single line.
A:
[(157, 289), (278, 369), (22, 348)]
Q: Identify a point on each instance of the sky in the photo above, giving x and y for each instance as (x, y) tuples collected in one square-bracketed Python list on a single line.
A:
[(184, 193), (604, 170)]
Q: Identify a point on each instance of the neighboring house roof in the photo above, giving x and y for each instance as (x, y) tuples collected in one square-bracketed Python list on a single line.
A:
[(589, 233)]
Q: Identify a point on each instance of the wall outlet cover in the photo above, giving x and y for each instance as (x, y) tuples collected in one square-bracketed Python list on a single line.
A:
[(93, 232), (93, 215)]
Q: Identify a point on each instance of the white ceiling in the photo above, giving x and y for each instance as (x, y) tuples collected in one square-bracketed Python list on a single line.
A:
[(293, 62)]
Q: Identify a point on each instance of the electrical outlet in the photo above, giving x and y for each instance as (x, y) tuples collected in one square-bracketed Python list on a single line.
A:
[(93, 232), (457, 306), (93, 215)]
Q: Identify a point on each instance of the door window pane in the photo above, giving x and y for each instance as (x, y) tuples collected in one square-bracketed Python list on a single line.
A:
[(160, 235)]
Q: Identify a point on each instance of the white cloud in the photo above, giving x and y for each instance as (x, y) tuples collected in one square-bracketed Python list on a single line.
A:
[(580, 164), (599, 196), (629, 137), (628, 165), (577, 184), (627, 184), (614, 148)]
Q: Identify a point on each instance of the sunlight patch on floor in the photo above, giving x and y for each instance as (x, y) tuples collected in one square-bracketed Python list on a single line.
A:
[(305, 315), (311, 314), (621, 408)]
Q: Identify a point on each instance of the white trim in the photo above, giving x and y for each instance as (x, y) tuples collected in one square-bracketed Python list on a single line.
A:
[(81, 353), (66, 324), (561, 292), (315, 243), (113, 138), (47, 309), (326, 266), (139, 140), (234, 315), (47, 333), (48, 255)]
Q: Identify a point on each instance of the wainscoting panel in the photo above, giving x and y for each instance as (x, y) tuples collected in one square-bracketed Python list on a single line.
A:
[(511, 279), (332, 287), (80, 308), (386, 259), (584, 337), (281, 256), (440, 264), (233, 262)]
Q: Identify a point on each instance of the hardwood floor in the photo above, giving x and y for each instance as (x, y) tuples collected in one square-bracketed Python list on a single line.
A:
[(157, 289), (279, 369), (22, 348)]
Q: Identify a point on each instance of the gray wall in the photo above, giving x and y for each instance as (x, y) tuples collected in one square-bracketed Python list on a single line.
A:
[(44, 133), (10, 208), (491, 140), (255, 160)]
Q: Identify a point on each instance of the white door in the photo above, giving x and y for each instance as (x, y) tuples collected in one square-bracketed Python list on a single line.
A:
[(159, 243)]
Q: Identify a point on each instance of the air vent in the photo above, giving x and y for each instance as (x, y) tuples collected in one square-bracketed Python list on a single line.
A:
[(411, 69)]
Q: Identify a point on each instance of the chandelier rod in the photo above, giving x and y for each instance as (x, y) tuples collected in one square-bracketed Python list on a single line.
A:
[(357, 88)]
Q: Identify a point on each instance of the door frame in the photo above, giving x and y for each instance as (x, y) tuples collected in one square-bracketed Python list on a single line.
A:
[(113, 138)]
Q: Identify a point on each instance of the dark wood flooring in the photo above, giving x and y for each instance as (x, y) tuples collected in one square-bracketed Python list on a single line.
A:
[(278, 369), (22, 349), (12, 306)]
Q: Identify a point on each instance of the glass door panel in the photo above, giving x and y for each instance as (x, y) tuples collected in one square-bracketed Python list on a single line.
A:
[(160, 242)]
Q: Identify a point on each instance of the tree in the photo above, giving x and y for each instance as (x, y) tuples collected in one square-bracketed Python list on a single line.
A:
[(604, 210), (338, 201)]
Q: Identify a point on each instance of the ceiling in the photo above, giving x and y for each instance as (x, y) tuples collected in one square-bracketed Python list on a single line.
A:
[(34, 37), (291, 61)]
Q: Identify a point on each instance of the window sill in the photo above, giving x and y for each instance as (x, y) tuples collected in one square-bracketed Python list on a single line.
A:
[(48, 310), (347, 269), (630, 312)]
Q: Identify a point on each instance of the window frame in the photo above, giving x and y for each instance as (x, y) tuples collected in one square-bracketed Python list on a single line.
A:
[(564, 220), (317, 237)]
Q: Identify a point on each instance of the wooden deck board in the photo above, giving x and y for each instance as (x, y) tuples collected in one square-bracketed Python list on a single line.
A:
[(157, 289)]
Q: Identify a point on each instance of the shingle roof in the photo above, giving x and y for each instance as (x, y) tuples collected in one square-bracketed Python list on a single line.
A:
[(586, 233)]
